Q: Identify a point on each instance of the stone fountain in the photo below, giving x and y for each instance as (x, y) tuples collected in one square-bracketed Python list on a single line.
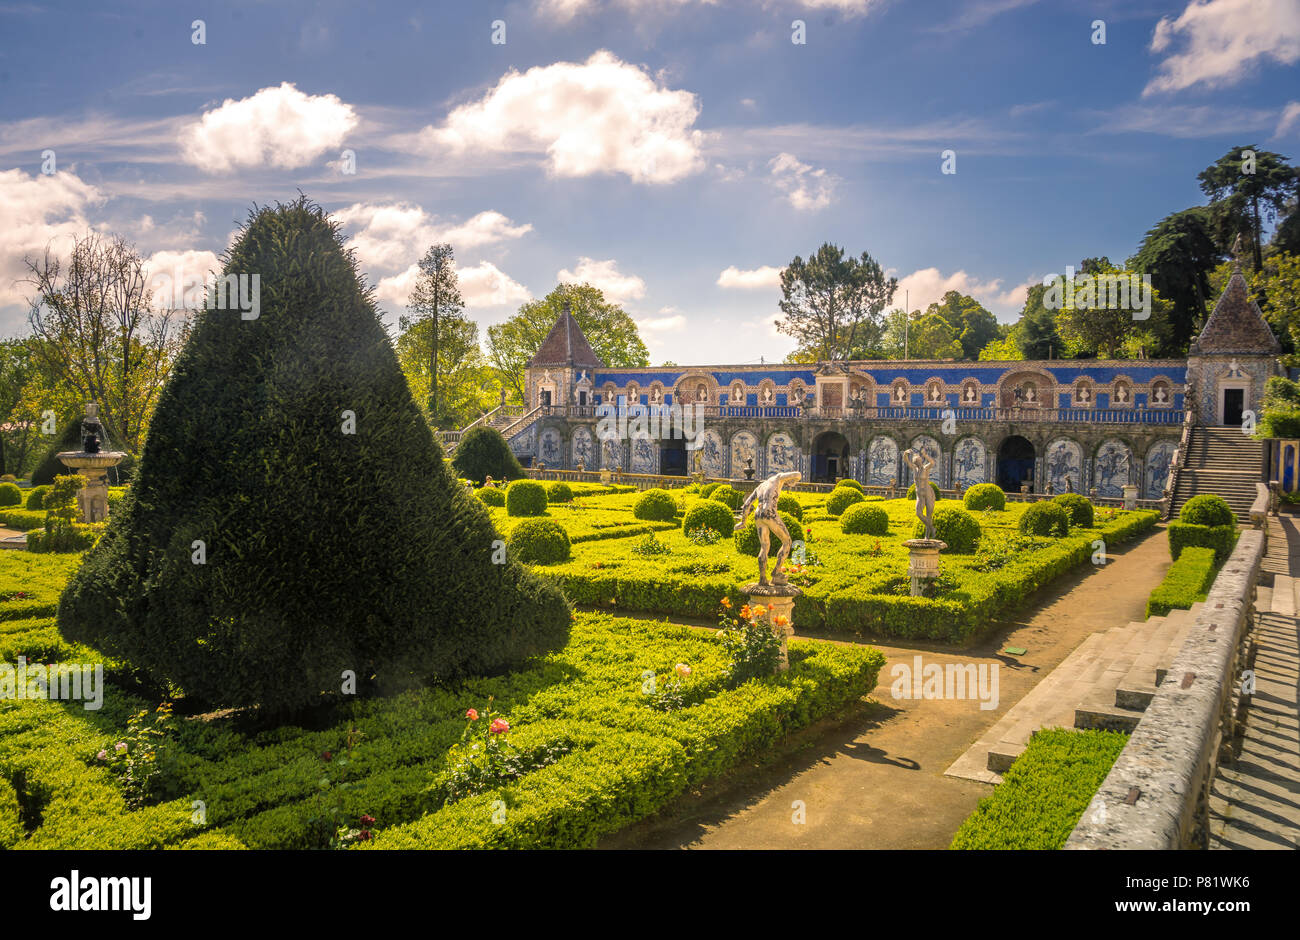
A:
[(93, 463)]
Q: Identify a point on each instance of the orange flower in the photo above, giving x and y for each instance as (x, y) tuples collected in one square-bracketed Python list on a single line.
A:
[(782, 620), (760, 610), (744, 611), (726, 602)]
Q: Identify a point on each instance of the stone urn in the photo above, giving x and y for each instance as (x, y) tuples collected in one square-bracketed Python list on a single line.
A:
[(923, 562), (749, 468), (779, 601)]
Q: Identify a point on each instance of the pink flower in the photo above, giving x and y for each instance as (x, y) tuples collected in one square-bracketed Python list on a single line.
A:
[(499, 726), (472, 715), (102, 755), (683, 670), (119, 746)]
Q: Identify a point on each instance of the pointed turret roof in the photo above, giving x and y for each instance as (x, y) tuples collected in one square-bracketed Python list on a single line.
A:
[(566, 345), (1236, 327)]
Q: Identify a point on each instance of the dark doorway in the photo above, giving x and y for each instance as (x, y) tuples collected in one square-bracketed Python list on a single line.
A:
[(672, 457), (830, 457), (546, 398), (1015, 464), (1234, 402)]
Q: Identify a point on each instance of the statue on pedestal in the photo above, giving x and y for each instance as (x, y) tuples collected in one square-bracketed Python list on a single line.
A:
[(921, 465), (763, 502)]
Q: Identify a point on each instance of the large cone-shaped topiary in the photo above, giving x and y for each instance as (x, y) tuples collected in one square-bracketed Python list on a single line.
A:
[(324, 550)]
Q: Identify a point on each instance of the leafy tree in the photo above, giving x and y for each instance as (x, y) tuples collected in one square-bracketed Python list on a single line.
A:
[(1178, 254), (975, 326), (1099, 324), (435, 297), (1287, 237), (20, 431), (832, 304), (1242, 201), (613, 334), (929, 336), (1279, 285), (468, 384), (1005, 349), (1036, 333)]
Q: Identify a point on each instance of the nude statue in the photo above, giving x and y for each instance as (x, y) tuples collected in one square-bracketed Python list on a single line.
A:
[(767, 520), (921, 464)]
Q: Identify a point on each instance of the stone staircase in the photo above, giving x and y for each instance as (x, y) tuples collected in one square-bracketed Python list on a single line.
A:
[(1222, 461), (501, 419), (1106, 682)]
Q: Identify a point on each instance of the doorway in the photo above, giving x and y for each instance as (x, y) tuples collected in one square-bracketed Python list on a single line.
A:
[(1015, 464), (1234, 405), (830, 457), (672, 457)]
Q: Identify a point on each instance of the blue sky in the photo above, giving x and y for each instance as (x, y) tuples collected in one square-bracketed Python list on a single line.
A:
[(674, 152)]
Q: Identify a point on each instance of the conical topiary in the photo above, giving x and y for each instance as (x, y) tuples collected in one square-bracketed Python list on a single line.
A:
[(291, 517)]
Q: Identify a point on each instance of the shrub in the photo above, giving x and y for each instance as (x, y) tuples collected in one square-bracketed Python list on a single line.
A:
[(491, 495), (842, 498), (983, 496), (1079, 508), (525, 498), (747, 538), (1207, 509), (707, 489), (8, 478), (955, 526), (51, 466), (484, 453), (787, 502), (911, 490), (1045, 518), (10, 495), (649, 545), (727, 496), (655, 505), (852, 484), (244, 453), (1221, 538), (1187, 581), (709, 514), (539, 542), (559, 492), (865, 519)]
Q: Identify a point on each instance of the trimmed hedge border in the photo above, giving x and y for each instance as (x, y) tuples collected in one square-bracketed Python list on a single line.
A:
[(1187, 581)]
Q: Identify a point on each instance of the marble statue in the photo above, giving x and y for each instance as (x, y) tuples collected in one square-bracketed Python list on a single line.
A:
[(921, 464), (767, 520)]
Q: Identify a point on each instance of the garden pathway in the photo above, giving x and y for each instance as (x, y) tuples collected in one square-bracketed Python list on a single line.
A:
[(876, 779)]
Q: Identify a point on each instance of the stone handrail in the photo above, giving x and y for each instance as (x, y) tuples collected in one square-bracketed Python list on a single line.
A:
[(1156, 794), (1259, 509), (1176, 467)]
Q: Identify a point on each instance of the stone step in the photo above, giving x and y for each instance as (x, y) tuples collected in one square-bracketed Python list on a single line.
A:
[(1094, 714), (1136, 688)]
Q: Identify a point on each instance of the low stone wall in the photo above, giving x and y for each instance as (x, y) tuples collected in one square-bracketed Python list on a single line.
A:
[(1156, 794)]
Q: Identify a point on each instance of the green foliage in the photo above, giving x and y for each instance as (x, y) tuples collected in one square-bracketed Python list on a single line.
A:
[(1221, 538), (525, 498), (1046, 791), (539, 542), (1078, 506), (63, 532), (954, 526), (832, 303), (559, 492), (22, 519), (707, 489), (747, 542), (982, 496), (244, 454), (656, 505), (864, 519), (482, 453), (1207, 509), (842, 498), (1045, 518), (491, 495), (10, 495), (648, 546), (727, 496), (51, 466), (911, 491), (973, 325), (753, 648), (849, 482), (788, 502), (1187, 581)]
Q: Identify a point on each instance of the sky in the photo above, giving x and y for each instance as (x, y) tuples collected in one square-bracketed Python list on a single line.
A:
[(675, 153)]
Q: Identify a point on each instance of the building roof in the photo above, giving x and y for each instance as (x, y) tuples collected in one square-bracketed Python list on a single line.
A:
[(566, 345), (1236, 327)]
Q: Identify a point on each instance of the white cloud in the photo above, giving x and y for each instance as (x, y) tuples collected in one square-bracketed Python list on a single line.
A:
[(668, 321), (173, 273), (482, 285), (928, 285), (387, 236), (806, 189), (1290, 117), (765, 276), (1222, 41), (616, 286), (277, 126), (39, 211), (599, 116)]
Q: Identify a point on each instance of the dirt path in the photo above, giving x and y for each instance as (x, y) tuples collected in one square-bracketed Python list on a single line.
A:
[(876, 781)]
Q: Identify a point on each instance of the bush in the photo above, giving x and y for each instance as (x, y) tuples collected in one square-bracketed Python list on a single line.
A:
[(727, 496), (865, 519), (786, 502), (1045, 518), (1187, 581), (747, 538), (655, 505), (10, 495), (1079, 508), (955, 526), (709, 514), (983, 496), (559, 492), (244, 453), (911, 490), (1221, 538), (525, 498), (1207, 509), (484, 453), (707, 489), (842, 498), (539, 542), (491, 495), (852, 484)]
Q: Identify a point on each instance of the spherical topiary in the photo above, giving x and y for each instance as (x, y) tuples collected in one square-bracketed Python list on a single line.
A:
[(709, 514), (538, 542), (953, 525), (559, 492), (483, 453), (747, 538), (1207, 509), (491, 495), (10, 494), (655, 505), (911, 490), (1045, 518), (983, 496), (525, 498), (787, 502), (841, 498), (1077, 505), (36, 497), (849, 482), (707, 489), (865, 519), (728, 497)]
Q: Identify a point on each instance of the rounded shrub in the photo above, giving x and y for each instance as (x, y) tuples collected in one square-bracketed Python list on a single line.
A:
[(1045, 518), (709, 514), (484, 453), (655, 505), (491, 495), (841, 498), (559, 492), (707, 489), (1207, 509), (953, 525), (10, 494), (538, 542), (911, 490), (787, 502), (525, 498), (1078, 506), (36, 497), (865, 519), (852, 484), (747, 538), (983, 496), (727, 496)]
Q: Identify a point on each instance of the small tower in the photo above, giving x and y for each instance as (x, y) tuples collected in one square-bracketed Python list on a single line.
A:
[(1232, 358), (561, 371)]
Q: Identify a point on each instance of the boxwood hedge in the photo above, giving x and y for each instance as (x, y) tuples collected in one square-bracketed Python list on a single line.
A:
[(1187, 581), (982, 496), (539, 542), (655, 505), (525, 498), (841, 498), (864, 519)]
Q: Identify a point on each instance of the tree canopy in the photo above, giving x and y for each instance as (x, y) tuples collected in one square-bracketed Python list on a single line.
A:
[(832, 304)]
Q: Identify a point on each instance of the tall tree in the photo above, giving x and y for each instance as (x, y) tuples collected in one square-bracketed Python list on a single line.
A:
[(435, 296), (1247, 187), (468, 384), (929, 336), (613, 334), (975, 326), (1036, 334), (1179, 254), (1098, 323), (833, 303)]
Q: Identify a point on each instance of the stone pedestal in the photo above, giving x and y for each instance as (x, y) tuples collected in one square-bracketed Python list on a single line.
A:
[(744, 486), (779, 601), (93, 497), (923, 561), (1130, 496)]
